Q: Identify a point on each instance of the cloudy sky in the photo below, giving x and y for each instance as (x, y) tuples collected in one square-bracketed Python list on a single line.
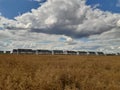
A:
[(92, 25)]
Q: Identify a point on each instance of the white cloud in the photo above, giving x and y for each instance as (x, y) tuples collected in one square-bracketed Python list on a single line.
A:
[(118, 23), (51, 20), (70, 41), (71, 19)]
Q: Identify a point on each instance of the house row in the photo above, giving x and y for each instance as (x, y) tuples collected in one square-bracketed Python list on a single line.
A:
[(54, 52), (1, 52), (6, 52), (118, 53), (23, 51)]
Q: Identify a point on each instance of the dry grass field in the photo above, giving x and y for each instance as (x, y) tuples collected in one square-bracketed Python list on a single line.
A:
[(59, 72)]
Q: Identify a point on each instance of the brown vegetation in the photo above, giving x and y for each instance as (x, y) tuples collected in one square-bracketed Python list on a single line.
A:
[(59, 72)]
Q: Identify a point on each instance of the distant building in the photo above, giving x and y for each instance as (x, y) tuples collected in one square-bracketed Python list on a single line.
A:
[(1, 52), (33, 51), (8, 52), (43, 52), (100, 53), (110, 54), (15, 51), (57, 52), (91, 53), (23, 51), (82, 53), (71, 52), (118, 53)]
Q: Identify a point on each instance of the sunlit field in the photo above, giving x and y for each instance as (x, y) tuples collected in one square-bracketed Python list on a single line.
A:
[(59, 72)]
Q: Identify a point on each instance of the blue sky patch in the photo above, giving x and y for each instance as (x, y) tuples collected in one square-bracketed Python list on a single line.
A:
[(12, 8), (62, 39), (106, 5)]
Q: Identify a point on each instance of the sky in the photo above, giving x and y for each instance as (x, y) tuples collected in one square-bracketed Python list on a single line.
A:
[(112, 6), (12, 8), (90, 25)]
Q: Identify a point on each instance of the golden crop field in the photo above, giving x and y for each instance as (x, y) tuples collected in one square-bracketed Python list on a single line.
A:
[(59, 72)]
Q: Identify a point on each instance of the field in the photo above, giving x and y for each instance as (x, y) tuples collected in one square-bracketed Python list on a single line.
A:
[(59, 72)]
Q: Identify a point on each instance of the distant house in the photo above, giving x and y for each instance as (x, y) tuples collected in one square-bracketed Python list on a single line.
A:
[(110, 54), (91, 53), (15, 51), (82, 53), (8, 52), (26, 51), (118, 53), (100, 53), (71, 52), (33, 51), (23, 51), (1, 52), (43, 52), (58, 52)]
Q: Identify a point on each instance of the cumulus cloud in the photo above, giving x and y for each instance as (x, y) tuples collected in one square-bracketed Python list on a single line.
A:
[(70, 41), (22, 39), (73, 20), (118, 23)]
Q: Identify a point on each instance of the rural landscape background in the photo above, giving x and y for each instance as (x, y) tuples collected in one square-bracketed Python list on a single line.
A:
[(59, 72), (87, 30)]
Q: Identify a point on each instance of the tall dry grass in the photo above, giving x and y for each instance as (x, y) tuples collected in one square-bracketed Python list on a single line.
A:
[(47, 72)]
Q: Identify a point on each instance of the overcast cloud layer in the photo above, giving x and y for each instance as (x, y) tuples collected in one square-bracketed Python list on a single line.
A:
[(62, 24)]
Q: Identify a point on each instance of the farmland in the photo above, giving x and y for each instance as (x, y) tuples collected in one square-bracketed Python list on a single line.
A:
[(59, 72)]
